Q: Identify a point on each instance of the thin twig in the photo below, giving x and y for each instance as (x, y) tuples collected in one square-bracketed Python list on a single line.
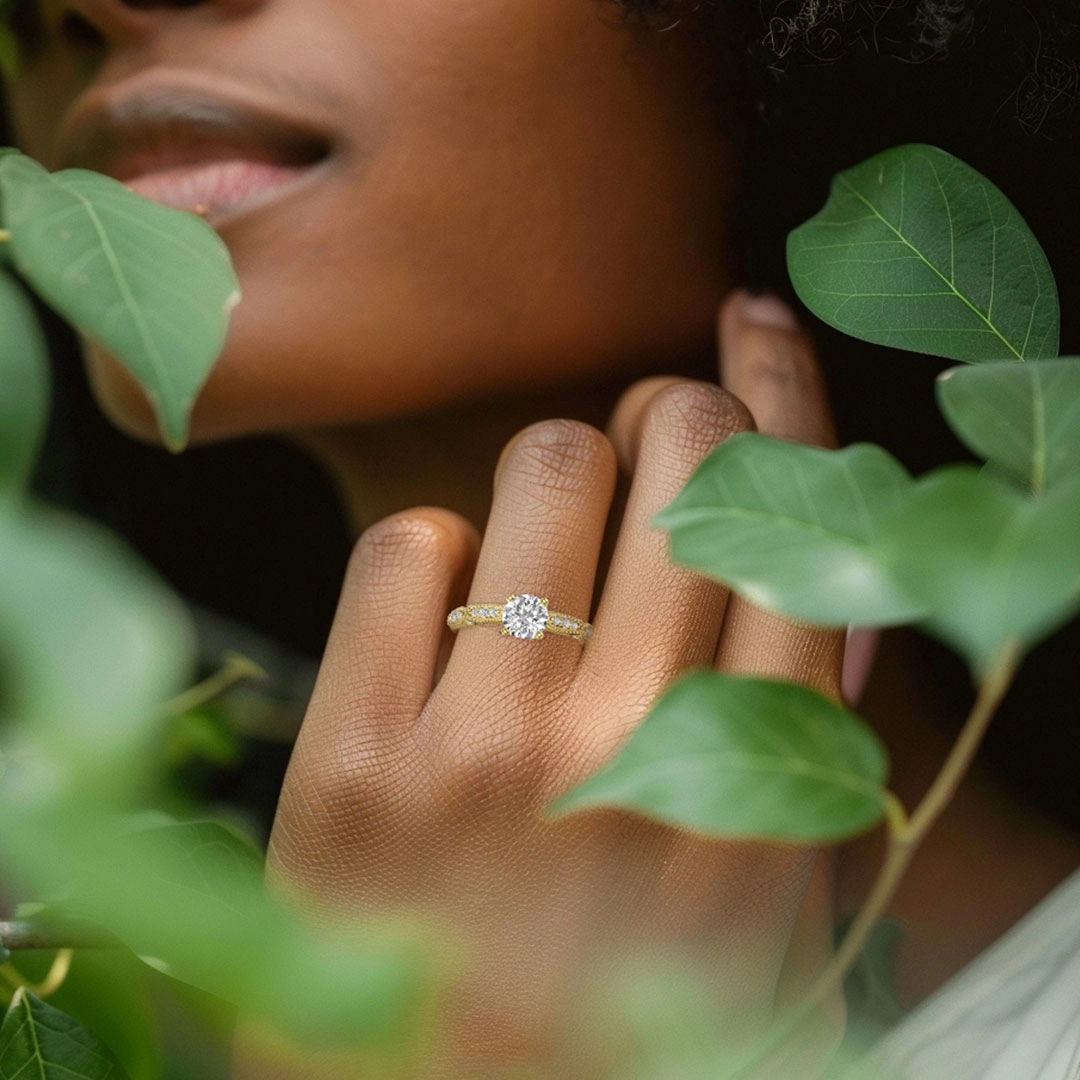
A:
[(235, 668)]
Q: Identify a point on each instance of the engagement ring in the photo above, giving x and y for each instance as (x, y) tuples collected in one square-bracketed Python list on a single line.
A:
[(522, 616)]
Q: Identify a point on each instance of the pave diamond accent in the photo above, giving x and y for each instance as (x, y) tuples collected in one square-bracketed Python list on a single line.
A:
[(525, 616)]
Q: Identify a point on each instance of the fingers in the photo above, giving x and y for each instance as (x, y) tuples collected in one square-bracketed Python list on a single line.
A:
[(554, 485), (404, 574), (768, 362), (655, 618)]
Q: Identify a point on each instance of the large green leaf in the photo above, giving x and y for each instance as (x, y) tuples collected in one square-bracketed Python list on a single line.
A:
[(989, 564), (38, 1042), (189, 898), (1025, 418), (151, 285), (916, 250), (92, 644), (24, 383), (738, 756), (793, 528)]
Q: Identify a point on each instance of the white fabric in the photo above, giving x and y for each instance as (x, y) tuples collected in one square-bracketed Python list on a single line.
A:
[(1012, 1014)]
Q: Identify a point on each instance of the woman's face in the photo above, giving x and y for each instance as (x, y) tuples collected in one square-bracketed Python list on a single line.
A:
[(444, 198)]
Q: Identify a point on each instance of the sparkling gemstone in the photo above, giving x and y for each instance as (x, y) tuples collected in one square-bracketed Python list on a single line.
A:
[(525, 616)]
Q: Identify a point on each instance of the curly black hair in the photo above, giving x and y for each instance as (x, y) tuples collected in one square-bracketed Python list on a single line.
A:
[(1035, 43)]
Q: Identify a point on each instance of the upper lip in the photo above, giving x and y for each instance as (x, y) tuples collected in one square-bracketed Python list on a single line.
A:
[(150, 123)]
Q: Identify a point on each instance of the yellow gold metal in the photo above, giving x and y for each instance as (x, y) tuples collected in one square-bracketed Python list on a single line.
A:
[(492, 615)]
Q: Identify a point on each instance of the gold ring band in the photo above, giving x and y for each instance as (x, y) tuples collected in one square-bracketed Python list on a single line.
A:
[(522, 616)]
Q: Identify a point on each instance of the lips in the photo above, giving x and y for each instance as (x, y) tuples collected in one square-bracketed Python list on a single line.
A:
[(193, 146)]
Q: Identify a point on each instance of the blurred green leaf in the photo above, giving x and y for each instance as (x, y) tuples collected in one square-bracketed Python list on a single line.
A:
[(92, 644), (661, 1017), (203, 734), (189, 898), (10, 54), (868, 988), (737, 756), (151, 285), (25, 384), (988, 564), (106, 990), (35, 1036), (916, 250), (793, 528), (1024, 418)]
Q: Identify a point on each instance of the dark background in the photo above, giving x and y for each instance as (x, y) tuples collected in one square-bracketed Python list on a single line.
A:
[(252, 529)]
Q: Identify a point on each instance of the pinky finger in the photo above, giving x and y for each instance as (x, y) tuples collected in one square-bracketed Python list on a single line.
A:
[(768, 362)]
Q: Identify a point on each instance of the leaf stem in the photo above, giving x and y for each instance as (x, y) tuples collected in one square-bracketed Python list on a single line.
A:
[(48, 986), (904, 837), (236, 667)]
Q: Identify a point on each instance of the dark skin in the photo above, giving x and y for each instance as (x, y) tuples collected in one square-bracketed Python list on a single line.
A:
[(493, 318)]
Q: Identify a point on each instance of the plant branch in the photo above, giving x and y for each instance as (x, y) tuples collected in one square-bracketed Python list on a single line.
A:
[(904, 837), (52, 982), (235, 668)]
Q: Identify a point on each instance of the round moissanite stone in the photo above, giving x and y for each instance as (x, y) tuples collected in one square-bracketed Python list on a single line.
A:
[(525, 616)]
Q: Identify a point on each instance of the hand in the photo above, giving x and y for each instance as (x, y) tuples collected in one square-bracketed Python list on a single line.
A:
[(420, 790)]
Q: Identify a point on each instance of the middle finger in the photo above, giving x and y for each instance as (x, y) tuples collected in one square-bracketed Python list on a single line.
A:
[(657, 618)]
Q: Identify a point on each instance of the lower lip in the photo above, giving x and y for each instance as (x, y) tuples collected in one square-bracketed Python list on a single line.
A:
[(217, 189)]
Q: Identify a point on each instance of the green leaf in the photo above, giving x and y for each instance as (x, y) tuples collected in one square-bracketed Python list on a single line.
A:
[(10, 54), (746, 757), (793, 528), (989, 564), (868, 988), (107, 991), (190, 900), (150, 285), (203, 734), (92, 644), (39, 1041), (916, 250), (1024, 418), (25, 384)]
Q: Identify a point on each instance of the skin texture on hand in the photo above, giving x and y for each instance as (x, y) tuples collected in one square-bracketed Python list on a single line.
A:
[(420, 791)]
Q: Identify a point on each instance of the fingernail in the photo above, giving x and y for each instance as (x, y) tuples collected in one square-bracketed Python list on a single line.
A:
[(768, 310), (859, 657)]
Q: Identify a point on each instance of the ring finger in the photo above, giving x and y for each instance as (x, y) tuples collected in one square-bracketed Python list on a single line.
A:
[(554, 484)]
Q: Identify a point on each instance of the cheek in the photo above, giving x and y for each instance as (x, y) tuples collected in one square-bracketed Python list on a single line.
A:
[(515, 211)]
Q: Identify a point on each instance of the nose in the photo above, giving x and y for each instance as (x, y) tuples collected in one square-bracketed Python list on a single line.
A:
[(121, 20)]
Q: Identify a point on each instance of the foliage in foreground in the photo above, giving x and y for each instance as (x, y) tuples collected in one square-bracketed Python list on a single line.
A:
[(913, 250)]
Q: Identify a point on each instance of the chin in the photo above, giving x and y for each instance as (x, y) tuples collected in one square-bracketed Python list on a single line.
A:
[(119, 396), (126, 406)]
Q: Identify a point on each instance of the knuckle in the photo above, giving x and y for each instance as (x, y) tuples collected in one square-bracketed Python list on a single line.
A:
[(409, 540), (563, 459), (695, 416)]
